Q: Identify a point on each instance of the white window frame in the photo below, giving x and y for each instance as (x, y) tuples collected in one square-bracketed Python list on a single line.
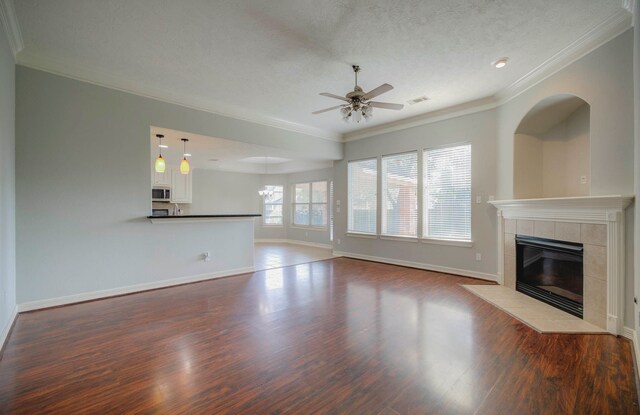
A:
[(310, 205), (264, 208)]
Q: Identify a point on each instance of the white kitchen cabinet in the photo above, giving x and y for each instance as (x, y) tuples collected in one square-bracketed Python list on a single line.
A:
[(180, 187), (162, 179)]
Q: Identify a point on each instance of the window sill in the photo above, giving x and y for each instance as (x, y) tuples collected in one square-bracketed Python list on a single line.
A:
[(399, 238), (268, 225), (362, 235), (449, 242), (310, 228)]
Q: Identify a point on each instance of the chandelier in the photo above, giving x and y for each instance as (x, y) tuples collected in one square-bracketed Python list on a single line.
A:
[(266, 192)]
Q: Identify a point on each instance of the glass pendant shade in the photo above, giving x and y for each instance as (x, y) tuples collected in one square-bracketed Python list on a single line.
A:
[(357, 116), (367, 112), (160, 165), (184, 166)]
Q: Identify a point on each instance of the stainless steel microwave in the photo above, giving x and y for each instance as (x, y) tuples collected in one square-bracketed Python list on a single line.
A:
[(160, 194)]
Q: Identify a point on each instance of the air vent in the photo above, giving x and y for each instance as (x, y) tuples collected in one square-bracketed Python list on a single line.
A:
[(418, 100)]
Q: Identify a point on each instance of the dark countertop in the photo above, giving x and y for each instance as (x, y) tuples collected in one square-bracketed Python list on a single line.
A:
[(230, 215)]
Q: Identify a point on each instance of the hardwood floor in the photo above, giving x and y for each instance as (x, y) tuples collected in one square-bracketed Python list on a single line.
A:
[(336, 336), (267, 255)]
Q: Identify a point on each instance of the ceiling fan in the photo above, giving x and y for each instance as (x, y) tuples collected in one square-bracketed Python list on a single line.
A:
[(359, 104)]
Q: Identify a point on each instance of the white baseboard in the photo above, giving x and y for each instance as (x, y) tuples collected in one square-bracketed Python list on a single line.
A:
[(631, 334), (7, 328), (420, 265), (293, 242), (95, 295)]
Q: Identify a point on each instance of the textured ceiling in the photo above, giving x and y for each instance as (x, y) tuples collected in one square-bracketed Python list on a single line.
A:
[(272, 58)]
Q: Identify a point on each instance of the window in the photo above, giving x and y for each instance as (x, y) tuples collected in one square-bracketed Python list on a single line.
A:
[(400, 194), (310, 207), (447, 193), (272, 208), (363, 196)]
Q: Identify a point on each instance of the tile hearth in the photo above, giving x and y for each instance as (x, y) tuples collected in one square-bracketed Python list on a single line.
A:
[(535, 314)]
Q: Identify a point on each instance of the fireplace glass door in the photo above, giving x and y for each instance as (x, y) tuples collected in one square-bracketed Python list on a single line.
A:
[(550, 271)]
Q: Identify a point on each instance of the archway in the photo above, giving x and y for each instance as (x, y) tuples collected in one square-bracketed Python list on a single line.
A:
[(552, 149)]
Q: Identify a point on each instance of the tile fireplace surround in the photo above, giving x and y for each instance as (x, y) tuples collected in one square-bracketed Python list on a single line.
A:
[(595, 221)]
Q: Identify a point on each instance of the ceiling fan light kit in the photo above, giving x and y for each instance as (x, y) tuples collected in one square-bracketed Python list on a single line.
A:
[(359, 104)]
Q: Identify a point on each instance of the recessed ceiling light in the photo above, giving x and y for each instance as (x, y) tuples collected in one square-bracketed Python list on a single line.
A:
[(163, 146), (500, 63)]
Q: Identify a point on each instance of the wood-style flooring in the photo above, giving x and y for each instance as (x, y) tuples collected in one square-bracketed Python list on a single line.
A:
[(277, 255), (340, 336)]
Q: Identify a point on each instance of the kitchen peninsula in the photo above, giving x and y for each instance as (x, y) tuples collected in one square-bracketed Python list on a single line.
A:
[(172, 218)]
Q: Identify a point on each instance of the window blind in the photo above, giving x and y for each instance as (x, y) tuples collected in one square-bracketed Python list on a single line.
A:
[(363, 195), (447, 192), (400, 194)]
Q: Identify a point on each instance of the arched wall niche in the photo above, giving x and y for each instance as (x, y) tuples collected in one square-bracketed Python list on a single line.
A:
[(551, 149)]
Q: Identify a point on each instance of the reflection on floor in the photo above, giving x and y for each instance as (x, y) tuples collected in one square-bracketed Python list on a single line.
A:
[(276, 255)]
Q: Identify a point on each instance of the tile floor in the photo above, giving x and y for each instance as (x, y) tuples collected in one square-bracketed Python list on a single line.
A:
[(276, 255), (536, 314)]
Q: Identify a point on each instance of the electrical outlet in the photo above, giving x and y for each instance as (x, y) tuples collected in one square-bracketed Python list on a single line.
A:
[(337, 202), (492, 198), (583, 179), (478, 256), (478, 199)]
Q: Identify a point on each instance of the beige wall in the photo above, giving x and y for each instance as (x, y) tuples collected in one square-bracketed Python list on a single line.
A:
[(551, 164), (527, 170), (565, 156), (603, 78)]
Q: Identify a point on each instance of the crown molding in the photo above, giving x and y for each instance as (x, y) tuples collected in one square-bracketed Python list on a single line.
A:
[(102, 78), (608, 29), (11, 26), (630, 5), (466, 108)]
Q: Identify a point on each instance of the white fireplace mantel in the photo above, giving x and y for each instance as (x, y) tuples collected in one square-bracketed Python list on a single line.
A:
[(595, 209), (606, 210)]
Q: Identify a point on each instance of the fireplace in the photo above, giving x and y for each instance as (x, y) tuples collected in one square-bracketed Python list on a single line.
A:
[(551, 271)]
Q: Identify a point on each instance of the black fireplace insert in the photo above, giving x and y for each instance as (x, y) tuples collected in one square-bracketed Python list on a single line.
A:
[(550, 271)]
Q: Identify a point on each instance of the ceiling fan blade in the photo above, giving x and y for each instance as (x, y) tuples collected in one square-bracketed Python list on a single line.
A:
[(327, 109), (378, 91), (386, 105), (326, 94)]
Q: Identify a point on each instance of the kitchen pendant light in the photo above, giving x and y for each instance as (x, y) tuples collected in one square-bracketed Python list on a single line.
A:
[(184, 164), (160, 165)]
